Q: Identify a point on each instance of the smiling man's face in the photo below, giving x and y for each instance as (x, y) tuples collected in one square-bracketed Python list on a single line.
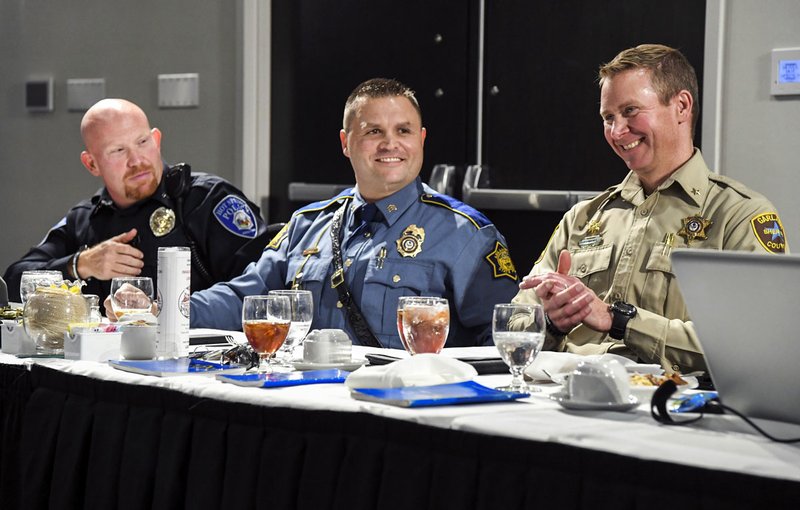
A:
[(384, 142), (647, 134)]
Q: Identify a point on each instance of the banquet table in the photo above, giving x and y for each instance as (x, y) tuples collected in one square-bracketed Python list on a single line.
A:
[(80, 434)]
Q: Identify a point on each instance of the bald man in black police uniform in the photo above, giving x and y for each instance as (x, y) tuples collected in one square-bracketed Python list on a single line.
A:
[(144, 205)]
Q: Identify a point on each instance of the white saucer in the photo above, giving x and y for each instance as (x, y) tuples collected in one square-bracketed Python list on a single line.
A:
[(563, 399), (353, 364)]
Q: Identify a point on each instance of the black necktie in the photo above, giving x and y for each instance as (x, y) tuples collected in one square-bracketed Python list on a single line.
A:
[(367, 214)]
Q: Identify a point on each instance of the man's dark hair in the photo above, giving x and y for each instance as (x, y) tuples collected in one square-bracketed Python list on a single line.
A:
[(376, 88)]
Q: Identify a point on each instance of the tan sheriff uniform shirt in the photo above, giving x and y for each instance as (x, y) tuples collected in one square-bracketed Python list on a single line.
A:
[(628, 258)]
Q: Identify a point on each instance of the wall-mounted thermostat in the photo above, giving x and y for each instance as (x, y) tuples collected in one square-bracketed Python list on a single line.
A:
[(39, 94), (785, 71)]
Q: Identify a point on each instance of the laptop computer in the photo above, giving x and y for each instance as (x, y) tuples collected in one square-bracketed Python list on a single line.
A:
[(744, 309)]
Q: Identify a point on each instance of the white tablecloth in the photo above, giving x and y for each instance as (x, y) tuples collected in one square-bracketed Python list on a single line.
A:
[(719, 442)]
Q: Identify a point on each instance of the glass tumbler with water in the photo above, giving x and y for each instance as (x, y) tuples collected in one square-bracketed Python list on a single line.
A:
[(131, 295), (32, 279), (518, 348), (302, 305)]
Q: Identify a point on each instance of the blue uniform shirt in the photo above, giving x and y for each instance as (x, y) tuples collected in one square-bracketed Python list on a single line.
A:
[(420, 243)]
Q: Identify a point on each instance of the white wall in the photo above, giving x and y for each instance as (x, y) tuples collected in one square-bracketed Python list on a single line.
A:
[(128, 44), (758, 134)]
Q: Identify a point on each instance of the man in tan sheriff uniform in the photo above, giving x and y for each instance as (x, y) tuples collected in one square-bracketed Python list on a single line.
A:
[(605, 277)]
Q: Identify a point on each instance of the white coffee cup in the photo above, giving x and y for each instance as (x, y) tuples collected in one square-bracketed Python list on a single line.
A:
[(138, 341), (327, 346), (603, 382)]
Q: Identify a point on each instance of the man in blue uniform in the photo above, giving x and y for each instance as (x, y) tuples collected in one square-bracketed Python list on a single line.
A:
[(388, 237), (142, 206)]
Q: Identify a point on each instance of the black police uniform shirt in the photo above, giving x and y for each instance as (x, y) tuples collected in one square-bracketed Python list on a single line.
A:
[(227, 228)]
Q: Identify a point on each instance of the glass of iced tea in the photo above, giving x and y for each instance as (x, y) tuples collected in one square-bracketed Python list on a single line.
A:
[(400, 304), (425, 323), (266, 321)]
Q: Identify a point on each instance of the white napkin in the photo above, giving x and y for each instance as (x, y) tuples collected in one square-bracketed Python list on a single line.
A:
[(560, 363), (420, 370)]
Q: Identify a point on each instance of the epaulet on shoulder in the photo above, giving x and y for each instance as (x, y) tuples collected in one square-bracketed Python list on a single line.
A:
[(206, 179), (585, 209), (324, 204), (735, 185), (473, 215), (597, 200)]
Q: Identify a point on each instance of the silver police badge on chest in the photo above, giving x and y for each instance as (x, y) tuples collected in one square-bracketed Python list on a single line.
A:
[(162, 221), (410, 243)]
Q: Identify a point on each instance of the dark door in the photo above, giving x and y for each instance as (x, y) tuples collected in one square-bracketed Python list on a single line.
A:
[(541, 127), (322, 49)]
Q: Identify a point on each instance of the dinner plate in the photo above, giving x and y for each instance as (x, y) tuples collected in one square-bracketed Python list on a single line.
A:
[(563, 399), (353, 364), (646, 392), (643, 368)]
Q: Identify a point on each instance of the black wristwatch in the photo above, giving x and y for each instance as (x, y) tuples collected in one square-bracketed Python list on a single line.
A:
[(621, 313), (552, 329)]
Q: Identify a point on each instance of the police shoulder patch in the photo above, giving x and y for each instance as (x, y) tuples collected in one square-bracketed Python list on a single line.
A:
[(769, 231), (279, 237), (501, 263), (473, 215), (236, 217)]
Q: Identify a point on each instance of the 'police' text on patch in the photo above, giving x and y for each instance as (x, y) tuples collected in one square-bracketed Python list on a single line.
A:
[(235, 215)]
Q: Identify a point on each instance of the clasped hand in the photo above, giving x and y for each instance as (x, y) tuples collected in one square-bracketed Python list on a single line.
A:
[(566, 300)]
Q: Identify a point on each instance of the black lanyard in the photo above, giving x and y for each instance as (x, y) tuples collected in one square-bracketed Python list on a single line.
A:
[(354, 316)]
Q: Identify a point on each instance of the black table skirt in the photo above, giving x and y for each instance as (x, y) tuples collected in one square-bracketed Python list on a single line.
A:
[(74, 442)]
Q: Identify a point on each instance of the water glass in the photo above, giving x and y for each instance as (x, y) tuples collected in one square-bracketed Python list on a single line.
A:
[(518, 348), (425, 323), (131, 295), (266, 321), (302, 304), (35, 278), (93, 302)]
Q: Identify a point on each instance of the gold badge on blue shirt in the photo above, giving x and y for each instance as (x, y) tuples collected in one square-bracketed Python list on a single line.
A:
[(501, 263), (162, 221), (410, 242), (694, 227)]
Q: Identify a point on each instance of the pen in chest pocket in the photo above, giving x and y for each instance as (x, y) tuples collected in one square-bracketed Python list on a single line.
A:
[(381, 257), (669, 242)]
